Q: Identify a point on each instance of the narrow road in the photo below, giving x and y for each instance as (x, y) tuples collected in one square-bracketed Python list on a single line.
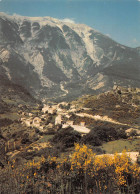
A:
[(63, 89), (100, 118), (80, 129)]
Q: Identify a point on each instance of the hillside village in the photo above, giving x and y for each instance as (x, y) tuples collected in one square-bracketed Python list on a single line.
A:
[(60, 113), (51, 116), (69, 98), (107, 123), (37, 124)]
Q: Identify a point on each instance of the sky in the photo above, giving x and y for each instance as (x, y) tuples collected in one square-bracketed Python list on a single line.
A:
[(118, 19)]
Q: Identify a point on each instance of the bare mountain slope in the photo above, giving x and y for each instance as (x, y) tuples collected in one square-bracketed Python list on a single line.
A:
[(48, 57)]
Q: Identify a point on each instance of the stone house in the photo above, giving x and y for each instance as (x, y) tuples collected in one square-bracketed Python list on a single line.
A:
[(45, 108), (82, 123), (69, 123), (58, 120), (36, 122), (52, 110), (28, 122)]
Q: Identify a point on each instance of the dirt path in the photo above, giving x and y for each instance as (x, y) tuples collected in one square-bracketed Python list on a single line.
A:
[(63, 89), (100, 118), (80, 129)]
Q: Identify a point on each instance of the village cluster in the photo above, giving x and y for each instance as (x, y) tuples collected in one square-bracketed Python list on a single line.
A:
[(60, 114)]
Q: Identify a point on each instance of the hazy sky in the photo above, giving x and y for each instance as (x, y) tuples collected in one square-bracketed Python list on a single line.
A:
[(119, 19)]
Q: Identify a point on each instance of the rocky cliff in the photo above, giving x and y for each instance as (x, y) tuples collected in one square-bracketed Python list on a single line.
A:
[(53, 59)]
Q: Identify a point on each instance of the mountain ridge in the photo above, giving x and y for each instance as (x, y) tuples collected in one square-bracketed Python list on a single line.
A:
[(45, 55)]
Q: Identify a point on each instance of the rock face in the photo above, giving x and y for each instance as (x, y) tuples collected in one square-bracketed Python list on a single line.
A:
[(57, 60)]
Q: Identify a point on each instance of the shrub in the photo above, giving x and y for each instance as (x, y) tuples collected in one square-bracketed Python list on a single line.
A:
[(81, 172), (5, 122), (133, 133), (67, 137), (92, 139), (102, 134)]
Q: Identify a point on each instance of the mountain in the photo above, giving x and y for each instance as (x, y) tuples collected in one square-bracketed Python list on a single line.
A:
[(12, 95), (56, 60)]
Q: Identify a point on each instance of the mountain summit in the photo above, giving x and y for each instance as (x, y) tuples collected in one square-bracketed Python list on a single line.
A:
[(54, 59)]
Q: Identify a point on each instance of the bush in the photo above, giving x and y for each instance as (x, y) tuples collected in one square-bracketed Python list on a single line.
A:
[(67, 137), (92, 139), (5, 122), (133, 133), (102, 134), (25, 139), (81, 172)]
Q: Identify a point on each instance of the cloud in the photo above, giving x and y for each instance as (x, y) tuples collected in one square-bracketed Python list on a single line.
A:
[(68, 20), (108, 35), (134, 40)]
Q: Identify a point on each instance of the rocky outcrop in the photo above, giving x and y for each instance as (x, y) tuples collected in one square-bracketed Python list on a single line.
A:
[(53, 59)]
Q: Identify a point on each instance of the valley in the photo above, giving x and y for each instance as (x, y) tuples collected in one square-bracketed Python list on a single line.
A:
[(82, 116), (36, 135), (69, 109)]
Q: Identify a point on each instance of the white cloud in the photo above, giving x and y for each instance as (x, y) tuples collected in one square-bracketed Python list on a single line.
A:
[(108, 35), (68, 20), (134, 40)]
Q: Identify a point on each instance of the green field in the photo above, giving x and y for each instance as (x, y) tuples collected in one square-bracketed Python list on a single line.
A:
[(45, 138), (120, 145)]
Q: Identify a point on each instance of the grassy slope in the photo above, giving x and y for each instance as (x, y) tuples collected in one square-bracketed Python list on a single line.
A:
[(120, 145), (116, 106)]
